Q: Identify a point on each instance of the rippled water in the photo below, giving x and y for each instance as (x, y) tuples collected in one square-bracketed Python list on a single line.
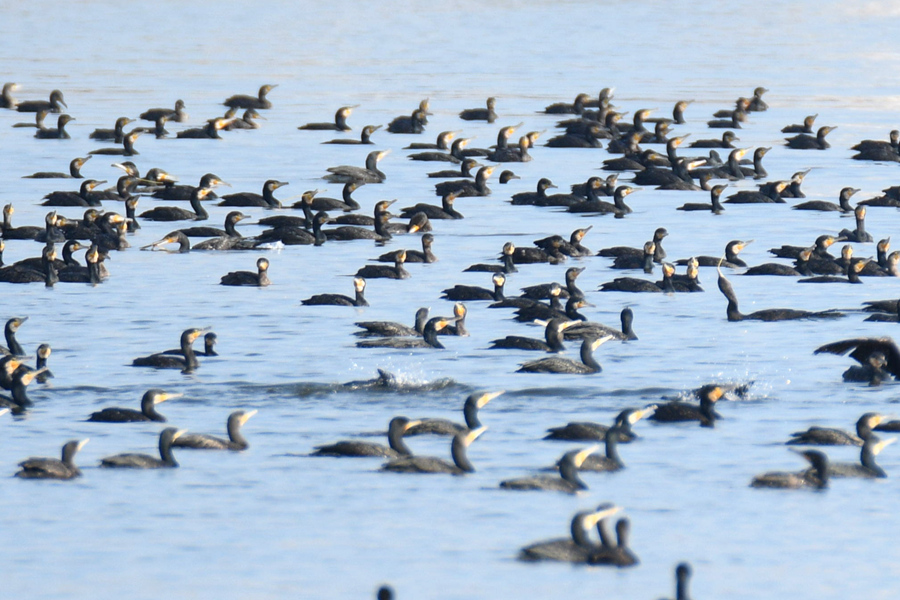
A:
[(273, 523)]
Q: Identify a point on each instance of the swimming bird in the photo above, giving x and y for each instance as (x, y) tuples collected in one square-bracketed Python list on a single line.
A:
[(568, 480), (264, 200), (55, 133), (187, 362), (804, 141), (578, 547), (396, 429), (861, 350), (866, 468), (235, 440), (145, 461), (474, 402), (427, 464), (471, 292), (428, 340), (481, 114), (258, 279), (581, 431), (364, 137), (678, 411), (359, 286), (392, 329), (816, 478), (55, 104), (368, 174), (588, 364), (830, 436), (733, 312), (806, 127), (52, 468), (176, 114), (340, 121), (385, 272), (259, 101), (128, 415)]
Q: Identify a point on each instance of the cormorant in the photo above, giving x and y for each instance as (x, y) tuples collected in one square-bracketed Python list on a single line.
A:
[(359, 285), (428, 339), (177, 114), (861, 350), (265, 200), (805, 141), (52, 468), (427, 464), (54, 105), (55, 133), (235, 440), (568, 480), (575, 549), (481, 114), (367, 174), (258, 279), (830, 436), (445, 427), (817, 477), (187, 362), (396, 429), (596, 432), (244, 101), (555, 364), (128, 415), (806, 127), (392, 329), (340, 121), (770, 314), (677, 410), (145, 461)]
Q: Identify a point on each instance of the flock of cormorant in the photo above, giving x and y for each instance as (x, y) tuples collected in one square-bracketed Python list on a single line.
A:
[(588, 123)]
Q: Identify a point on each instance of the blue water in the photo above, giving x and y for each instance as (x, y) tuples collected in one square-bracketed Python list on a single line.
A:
[(271, 522)]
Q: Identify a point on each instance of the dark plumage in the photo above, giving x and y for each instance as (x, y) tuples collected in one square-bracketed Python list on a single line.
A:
[(128, 415)]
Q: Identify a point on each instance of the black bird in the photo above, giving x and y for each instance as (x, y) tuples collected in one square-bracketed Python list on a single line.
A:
[(587, 365), (725, 142), (391, 328), (18, 401), (806, 127), (74, 171), (471, 292), (258, 279), (577, 548), (52, 468), (364, 137), (805, 141), (128, 415), (176, 114), (428, 340), (6, 98), (57, 133), (368, 174), (770, 314), (678, 411), (187, 362), (830, 436), (414, 123), (127, 148), (866, 468), (235, 440), (862, 349), (822, 205), (466, 187), (567, 481), (587, 329), (359, 285), (552, 342), (116, 134), (54, 105), (427, 464), (145, 461), (816, 478), (210, 131), (595, 432), (340, 121), (176, 213), (481, 114), (474, 402), (265, 200), (243, 101), (13, 347), (396, 429)]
